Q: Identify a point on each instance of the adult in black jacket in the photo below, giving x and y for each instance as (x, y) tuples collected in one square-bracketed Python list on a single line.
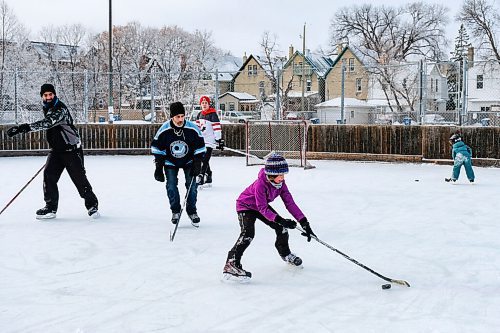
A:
[(66, 153)]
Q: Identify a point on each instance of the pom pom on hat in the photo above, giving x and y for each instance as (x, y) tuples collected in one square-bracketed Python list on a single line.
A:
[(205, 98), (276, 165), (176, 108)]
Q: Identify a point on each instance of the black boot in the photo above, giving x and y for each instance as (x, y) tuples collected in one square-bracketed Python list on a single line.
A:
[(45, 213)]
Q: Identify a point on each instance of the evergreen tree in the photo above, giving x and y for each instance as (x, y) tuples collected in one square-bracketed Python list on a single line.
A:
[(461, 45)]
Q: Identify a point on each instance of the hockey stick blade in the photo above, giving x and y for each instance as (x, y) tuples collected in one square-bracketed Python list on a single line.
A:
[(400, 282)]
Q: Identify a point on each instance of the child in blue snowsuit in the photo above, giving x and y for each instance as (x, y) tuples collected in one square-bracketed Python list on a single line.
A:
[(462, 155)]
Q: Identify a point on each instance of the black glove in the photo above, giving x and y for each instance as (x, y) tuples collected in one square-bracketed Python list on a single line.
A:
[(14, 130), (159, 174), (287, 223), (220, 144), (307, 229), (195, 168)]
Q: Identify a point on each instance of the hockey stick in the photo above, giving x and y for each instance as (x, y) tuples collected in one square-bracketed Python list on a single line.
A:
[(172, 233), (243, 153), (26, 185), (400, 282)]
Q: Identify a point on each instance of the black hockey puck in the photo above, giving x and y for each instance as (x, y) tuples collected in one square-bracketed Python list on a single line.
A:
[(386, 286), (417, 180)]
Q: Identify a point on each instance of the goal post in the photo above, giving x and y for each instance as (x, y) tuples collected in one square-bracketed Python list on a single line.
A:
[(285, 137)]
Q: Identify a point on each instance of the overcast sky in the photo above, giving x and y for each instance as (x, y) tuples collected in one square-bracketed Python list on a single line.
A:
[(236, 26)]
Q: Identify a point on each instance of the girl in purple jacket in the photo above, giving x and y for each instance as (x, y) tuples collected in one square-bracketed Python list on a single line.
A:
[(253, 203)]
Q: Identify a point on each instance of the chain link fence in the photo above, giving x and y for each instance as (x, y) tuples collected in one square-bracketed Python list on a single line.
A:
[(428, 93)]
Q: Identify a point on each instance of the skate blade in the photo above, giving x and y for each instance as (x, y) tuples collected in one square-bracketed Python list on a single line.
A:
[(196, 225), (95, 216), (46, 216), (292, 265), (226, 277)]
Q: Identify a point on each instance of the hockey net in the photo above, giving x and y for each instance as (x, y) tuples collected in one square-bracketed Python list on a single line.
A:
[(285, 137)]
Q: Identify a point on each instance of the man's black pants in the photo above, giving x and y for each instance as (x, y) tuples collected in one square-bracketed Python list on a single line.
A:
[(72, 161)]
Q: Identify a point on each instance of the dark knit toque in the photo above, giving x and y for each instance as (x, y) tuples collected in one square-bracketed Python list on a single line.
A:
[(276, 165), (176, 108), (47, 87)]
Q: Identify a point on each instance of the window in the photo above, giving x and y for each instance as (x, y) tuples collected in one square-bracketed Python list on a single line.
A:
[(351, 64), (479, 82), (436, 86), (358, 85), (222, 106), (485, 109), (352, 114), (231, 106), (308, 85), (254, 69), (249, 70)]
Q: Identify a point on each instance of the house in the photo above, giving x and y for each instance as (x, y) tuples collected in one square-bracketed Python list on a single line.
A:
[(356, 111), (483, 94), (238, 101), (255, 78), (308, 70), (355, 75), (63, 55)]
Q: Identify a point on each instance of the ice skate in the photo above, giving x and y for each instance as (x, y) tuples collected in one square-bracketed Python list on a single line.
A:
[(450, 180), (208, 180), (293, 260), (195, 220), (93, 212), (233, 271), (46, 213), (176, 217)]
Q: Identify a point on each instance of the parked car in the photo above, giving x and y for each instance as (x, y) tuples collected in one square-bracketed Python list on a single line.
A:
[(235, 116)]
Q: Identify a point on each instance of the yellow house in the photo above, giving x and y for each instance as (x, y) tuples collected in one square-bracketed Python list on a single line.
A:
[(254, 78), (355, 76), (309, 71)]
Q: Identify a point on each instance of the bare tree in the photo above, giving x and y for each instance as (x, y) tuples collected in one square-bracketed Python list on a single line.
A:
[(481, 18), (10, 31), (271, 56), (385, 36)]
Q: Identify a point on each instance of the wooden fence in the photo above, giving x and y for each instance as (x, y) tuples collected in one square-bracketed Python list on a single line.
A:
[(424, 142)]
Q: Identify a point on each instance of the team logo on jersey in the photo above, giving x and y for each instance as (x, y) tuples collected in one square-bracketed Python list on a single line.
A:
[(179, 149)]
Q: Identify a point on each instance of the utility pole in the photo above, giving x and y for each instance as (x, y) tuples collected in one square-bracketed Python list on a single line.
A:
[(342, 94), (303, 68), (110, 103)]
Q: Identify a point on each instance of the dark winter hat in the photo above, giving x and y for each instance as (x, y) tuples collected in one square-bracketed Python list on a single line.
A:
[(47, 87), (205, 98), (455, 138), (276, 165), (176, 108)]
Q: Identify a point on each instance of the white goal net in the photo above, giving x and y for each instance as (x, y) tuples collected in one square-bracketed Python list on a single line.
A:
[(285, 137)]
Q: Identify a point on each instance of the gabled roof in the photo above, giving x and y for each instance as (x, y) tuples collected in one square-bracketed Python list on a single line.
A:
[(319, 63), (60, 52), (242, 96), (258, 60), (341, 54)]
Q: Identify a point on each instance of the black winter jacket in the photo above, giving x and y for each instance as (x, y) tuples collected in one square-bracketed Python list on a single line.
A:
[(62, 135)]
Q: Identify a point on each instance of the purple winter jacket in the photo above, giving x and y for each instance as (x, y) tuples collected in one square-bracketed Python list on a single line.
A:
[(258, 196)]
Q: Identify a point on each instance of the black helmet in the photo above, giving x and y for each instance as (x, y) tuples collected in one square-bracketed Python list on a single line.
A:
[(455, 138)]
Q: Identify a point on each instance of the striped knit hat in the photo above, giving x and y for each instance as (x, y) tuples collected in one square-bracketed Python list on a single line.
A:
[(276, 165)]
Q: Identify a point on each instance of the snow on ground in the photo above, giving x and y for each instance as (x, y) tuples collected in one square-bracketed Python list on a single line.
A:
[(122, 274)]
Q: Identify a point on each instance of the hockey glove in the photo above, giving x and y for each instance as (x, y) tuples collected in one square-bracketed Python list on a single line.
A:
[(307, 229), (220, 144), (287, 223), (159, 174), (23, 128), (195, 168)]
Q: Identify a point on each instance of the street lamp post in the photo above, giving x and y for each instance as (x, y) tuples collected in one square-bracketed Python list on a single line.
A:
[(110, 104)]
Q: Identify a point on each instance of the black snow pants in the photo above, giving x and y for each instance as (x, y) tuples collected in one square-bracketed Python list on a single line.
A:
[(247, 224), (72, 161)]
